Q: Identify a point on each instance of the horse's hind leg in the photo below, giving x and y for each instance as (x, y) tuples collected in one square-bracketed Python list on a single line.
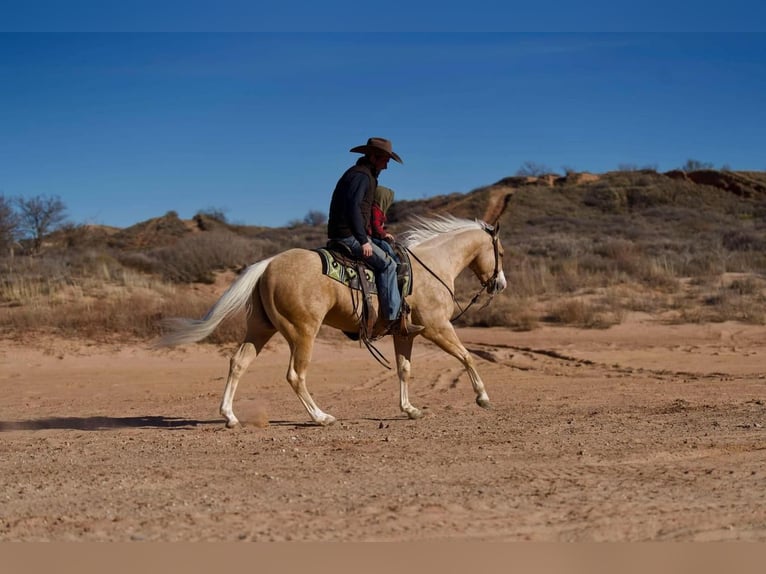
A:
[(301, 346), (238, 364)]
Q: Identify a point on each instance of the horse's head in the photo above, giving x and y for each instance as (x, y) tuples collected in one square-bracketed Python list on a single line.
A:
[(488, 264), (481, 249)]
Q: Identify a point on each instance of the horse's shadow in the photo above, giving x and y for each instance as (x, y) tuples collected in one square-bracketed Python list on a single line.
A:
[(104, 423), (309, 424), (158, 422)]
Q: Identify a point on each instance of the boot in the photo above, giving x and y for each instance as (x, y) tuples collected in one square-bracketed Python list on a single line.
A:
[(402, 324), (408, 328), (403, 327)]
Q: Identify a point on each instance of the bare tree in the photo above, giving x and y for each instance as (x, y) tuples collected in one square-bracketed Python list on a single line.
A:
[(315, 218), (530, 168), (568, 169), (9, 225), (696, 165), (40, 215), (216, 213)]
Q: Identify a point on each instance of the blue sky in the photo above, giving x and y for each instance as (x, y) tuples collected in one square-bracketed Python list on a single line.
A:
[(126, 125)]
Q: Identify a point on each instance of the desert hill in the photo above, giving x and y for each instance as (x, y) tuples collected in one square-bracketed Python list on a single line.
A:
[(581, 249), (575, 194)]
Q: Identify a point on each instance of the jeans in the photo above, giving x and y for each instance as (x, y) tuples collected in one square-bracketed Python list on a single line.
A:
[(387, 247), (385, 276)]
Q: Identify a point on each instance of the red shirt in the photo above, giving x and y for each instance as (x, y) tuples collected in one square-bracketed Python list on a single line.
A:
[(377, 222)]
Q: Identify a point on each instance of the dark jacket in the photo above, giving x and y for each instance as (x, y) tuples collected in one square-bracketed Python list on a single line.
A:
[(351, 203)]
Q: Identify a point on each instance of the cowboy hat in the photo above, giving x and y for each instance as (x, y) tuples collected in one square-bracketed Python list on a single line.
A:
[(377, 145)]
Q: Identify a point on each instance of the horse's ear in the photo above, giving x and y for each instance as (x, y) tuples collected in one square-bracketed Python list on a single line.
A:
[(497, 205)]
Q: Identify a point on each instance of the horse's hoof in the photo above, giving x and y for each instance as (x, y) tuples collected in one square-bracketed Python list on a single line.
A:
[(483, 402), (415, 414), (232, 424), (326, 421)]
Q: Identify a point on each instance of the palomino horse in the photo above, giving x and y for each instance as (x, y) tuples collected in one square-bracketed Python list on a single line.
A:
[(289, 294)]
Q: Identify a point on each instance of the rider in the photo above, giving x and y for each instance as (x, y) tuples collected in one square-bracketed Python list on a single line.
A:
[(349, 221)]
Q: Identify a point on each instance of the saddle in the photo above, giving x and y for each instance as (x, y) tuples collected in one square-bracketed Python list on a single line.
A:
[(339, 264)]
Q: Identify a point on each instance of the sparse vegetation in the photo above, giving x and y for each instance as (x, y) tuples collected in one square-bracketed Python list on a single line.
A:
[(579, 254), (38, 216), (315, 218), (216, 213), (9, 224), (696, 165), (531, 168)]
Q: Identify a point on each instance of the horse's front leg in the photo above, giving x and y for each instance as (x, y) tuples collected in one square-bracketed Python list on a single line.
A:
[(447, 339), (403, 350)]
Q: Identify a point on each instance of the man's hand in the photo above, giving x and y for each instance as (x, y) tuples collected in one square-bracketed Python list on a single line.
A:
[(389, 238), (367, 250)]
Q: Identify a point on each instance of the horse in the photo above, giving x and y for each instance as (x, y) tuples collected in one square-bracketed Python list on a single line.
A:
[(288, 293)]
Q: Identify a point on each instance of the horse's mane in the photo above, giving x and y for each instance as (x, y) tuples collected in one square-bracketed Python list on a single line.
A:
[(424, 228)]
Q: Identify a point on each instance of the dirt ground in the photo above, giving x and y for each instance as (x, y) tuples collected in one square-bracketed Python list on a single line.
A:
[(641, 432)]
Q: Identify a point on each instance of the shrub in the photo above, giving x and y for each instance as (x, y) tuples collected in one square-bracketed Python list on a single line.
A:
[(195, 258)]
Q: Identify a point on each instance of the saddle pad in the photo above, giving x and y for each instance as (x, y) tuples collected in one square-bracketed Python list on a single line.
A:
[(341, 270), (346, 274)]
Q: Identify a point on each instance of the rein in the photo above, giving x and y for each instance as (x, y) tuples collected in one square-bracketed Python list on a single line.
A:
[(362, 307), (484, 284)]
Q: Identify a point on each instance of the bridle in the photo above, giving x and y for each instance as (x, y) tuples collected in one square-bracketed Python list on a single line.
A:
[(493, 231)]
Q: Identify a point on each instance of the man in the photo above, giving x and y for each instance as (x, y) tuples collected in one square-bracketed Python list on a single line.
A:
[(349, 221)]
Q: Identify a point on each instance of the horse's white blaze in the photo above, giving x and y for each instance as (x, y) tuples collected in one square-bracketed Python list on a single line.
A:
[(501, 282)]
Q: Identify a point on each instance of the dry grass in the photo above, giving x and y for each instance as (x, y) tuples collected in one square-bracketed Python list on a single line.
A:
[(583, 255), (97, 300), (100, 311)]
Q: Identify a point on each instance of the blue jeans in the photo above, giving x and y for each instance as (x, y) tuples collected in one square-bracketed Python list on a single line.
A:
[(385, 276), (387, 247)]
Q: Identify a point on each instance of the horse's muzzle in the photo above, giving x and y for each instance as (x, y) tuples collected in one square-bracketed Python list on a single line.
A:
[(494, 286)]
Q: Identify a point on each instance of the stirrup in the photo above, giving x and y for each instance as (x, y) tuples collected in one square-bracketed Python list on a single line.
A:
[(409, 329), (405, 326)]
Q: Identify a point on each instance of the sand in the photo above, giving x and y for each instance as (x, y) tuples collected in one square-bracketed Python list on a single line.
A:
[(640, 432)]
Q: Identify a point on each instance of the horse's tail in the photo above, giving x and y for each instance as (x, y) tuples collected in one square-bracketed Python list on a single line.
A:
[(181, 331)]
